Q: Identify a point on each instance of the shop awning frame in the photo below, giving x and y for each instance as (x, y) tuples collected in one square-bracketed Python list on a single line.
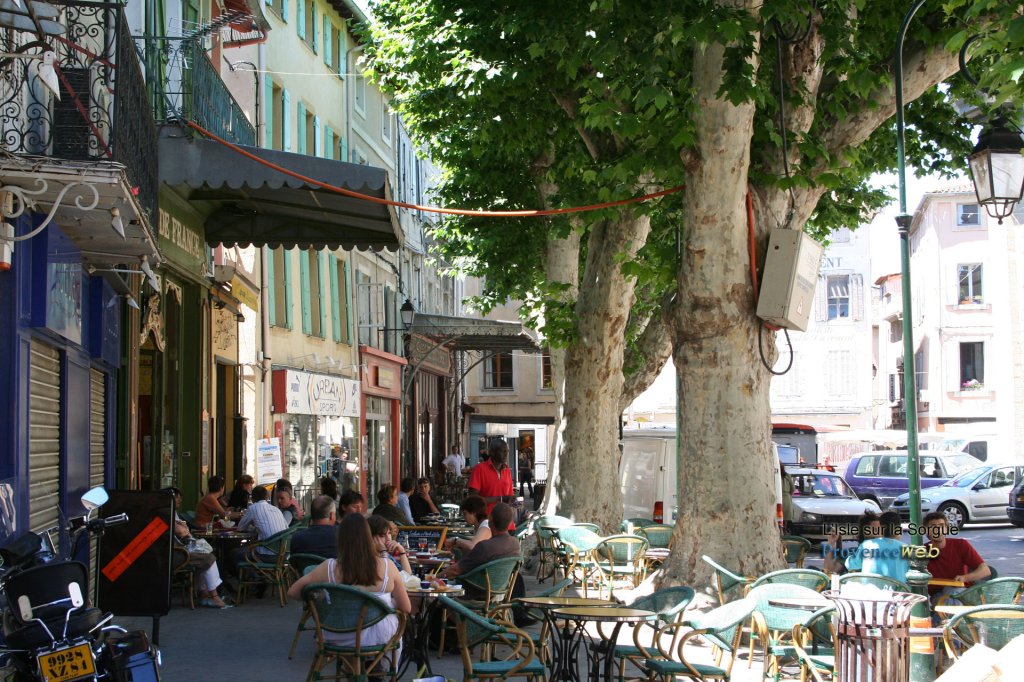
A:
[(244, 202), (475, 334)]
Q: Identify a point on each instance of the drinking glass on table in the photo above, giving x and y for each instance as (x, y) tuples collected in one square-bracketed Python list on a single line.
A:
[(432, 548), (423, 545)]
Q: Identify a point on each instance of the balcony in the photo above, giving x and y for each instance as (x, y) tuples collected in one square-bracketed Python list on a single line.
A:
[(102, 122), (186, 86)]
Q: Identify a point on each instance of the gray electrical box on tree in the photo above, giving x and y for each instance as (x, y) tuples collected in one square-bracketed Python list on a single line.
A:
[(790, 275)]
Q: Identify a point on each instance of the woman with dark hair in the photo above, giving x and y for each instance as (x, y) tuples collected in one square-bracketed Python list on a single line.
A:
[(387, 505), (284, 501), (210, 506), (474, 510), (382, 531), (241, 495), (360, 565), (329, 487)]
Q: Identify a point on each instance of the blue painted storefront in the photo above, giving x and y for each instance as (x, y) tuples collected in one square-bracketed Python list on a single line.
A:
[(47, 297)]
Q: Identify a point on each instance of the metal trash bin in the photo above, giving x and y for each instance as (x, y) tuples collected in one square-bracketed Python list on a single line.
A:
[(873, 637)]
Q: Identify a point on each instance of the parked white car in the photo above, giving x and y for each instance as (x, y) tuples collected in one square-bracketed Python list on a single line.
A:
[(979, 494), (821, 500)]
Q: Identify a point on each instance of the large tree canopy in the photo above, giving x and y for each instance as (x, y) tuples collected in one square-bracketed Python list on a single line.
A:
[(787, 102)]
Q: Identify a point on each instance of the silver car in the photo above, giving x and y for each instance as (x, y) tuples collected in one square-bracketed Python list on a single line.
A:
[(976, 495), (822, 501)]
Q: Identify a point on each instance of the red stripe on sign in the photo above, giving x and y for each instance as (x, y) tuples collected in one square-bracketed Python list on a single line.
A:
[(134, 549)]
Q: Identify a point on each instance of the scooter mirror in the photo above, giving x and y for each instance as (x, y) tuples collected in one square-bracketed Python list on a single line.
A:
[(96, 497)]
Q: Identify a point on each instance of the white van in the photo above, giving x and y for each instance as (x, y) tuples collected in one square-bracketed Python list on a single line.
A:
[(647, 472)]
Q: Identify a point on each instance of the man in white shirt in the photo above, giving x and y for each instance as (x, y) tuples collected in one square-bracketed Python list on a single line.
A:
[(454, 461)]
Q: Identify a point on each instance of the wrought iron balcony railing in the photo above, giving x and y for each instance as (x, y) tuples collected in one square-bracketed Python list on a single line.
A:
[(103, 113), (185, 85)]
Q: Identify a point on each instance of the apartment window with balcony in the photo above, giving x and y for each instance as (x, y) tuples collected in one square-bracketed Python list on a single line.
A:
[(969, 283), (359, 97), (967, 215), (838, 293), (498, 372), (279, 266), (546, 380), (972, 365)]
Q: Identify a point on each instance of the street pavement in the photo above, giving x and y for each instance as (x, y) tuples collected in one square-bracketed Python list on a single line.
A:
[(251, 641)]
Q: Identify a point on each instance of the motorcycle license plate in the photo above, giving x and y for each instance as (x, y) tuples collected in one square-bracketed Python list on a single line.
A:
[(63, 665)]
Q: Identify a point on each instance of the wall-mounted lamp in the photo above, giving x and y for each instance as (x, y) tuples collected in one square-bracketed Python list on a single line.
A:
[(116, 222), (997, 169), (408, 312)]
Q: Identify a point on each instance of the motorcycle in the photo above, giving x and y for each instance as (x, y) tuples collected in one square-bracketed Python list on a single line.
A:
[(50, 632)]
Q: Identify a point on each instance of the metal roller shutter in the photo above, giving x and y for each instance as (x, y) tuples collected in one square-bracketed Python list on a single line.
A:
[(44, 436), (97, 428)]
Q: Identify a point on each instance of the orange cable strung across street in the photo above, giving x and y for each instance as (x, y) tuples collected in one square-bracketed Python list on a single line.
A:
[(430, 209)]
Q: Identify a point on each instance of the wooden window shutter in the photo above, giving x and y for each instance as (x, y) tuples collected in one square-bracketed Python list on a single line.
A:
[(304, 284)]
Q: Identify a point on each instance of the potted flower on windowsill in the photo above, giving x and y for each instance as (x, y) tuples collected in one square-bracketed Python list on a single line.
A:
[(972, 385)]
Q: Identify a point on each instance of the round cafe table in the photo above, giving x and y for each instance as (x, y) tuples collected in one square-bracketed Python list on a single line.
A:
[(563, 660), (601, 656), (418, 635)]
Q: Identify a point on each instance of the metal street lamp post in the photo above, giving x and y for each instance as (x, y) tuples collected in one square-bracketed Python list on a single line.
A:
[(997, 169)]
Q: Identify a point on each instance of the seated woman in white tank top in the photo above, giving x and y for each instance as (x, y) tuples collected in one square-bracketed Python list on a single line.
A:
[(359, 565)]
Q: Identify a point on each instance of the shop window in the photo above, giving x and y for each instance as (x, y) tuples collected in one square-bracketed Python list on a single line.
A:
[(972, 365), (969, 283), (498, 372)]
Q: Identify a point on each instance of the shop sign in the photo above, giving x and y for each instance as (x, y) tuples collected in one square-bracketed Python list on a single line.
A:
[(244, 293), (268, 460), (319, 394), (181, 243)]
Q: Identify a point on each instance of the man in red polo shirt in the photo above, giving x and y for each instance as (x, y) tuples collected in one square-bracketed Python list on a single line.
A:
[(957, 559), (492, 480)]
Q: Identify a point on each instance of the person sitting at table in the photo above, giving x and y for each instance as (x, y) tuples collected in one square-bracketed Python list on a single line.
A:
[(420, 502), (209, 506), (383, 534), (360, 565), (868, 526), (351, 502), (285, 501), (241, 494), (205, 563), (882, 555), (265, 518), (957, 559), (321, 538), (387, 505), (405, 487), (499, 546), (474, 510)]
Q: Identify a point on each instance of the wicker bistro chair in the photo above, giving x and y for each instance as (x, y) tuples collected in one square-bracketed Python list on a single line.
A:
[(880, 581), (992, 591), (637, 522), (183, 575), (572, 551), (474, 629), (669, 603), (796, 549), (993, 625), (493, 581), (720, 627), (619, 556), (300, 565), (504, 613), (814, 645), (546, 526), (728, 585), (774, 624), (268, 567), (340, 609), (658, 535), (807, 577)]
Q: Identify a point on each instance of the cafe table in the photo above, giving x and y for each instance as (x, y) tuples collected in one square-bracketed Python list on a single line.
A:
[(223, 540), (956, 609), (418, 634), (601, 658), (563, 661), (803, 603)]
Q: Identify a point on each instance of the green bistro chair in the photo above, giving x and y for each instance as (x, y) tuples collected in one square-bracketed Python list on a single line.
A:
[(657, 535), (993, 625), (572, 550), (992, 591), (517, 646), (504, 614), (300, 565), (637, 522), (619, 557), (814, 645), (774, 624), (343, 610), (807, 577), (720, 627), (728, 585), (796, 548), (669, 603), (492, 585), (269, 567), (546, 526), (881, 581)]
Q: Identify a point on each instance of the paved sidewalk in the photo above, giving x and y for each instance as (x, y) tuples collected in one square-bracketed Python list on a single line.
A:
[(250, 642)]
